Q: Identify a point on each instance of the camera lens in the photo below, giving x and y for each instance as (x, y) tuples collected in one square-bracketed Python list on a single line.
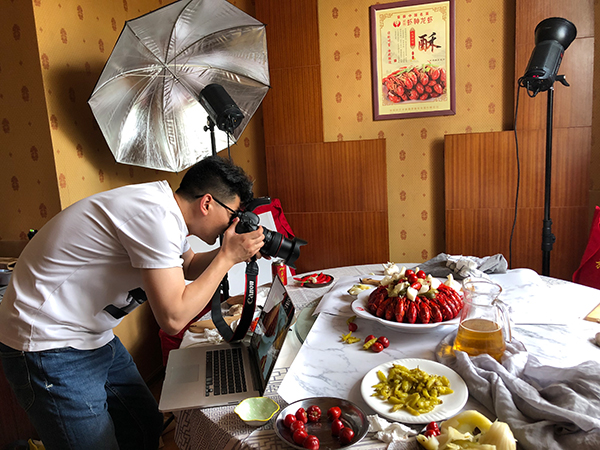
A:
[(277, 245), (272, 242)]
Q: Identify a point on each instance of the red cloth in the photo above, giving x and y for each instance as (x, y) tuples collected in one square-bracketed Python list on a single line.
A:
[(281, 223), (588, 273), (170, 342)]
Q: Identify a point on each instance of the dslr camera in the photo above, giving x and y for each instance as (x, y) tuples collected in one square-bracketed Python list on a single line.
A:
[(276, 245)]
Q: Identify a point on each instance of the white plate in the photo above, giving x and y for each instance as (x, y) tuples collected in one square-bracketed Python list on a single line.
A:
[(453, 403), (359, 306)]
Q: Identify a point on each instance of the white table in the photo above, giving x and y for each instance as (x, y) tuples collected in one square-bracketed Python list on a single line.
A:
[(324, 366)]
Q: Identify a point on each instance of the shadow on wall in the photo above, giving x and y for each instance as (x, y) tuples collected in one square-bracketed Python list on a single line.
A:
[(77, 123)]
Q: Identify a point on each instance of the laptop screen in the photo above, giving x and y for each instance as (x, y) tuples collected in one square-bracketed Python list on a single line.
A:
[(271, 330)]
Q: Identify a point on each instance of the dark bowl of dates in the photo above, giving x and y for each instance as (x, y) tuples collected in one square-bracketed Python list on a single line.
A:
[(352, 417)]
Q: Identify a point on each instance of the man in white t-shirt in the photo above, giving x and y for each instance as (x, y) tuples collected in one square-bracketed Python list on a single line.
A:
[(90, 266)]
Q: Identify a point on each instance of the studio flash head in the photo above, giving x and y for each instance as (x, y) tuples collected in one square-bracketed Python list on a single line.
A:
[(221, 108), (552, 37)]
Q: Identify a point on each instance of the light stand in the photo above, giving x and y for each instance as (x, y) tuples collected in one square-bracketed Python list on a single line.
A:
[(223, 112), (548, 239), (552, 37)]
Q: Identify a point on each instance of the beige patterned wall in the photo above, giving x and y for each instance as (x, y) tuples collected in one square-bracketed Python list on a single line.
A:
[(484, 102), (51, 150), (52, 153), (29, 194)]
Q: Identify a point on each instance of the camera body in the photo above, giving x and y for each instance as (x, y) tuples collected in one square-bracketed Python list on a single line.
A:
[(275, 245)]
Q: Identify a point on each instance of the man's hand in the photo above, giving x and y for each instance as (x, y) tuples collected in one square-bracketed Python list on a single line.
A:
[(241, 247)]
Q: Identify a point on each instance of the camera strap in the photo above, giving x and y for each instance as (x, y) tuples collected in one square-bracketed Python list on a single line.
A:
[(247, 311)]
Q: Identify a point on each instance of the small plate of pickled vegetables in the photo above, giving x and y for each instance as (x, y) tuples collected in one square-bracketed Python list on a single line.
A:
[(414, 390)]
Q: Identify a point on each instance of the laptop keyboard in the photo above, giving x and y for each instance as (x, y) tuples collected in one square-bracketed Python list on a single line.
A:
[(225, 372)]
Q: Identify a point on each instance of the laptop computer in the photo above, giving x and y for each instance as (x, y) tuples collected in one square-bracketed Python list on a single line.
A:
[(225, 374)]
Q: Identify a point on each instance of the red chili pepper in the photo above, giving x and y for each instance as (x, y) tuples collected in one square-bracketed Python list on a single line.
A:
[(307, 278)]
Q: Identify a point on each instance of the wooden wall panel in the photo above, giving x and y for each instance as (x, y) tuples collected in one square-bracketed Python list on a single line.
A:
[(292, 32), (480, 204), (571, 166), (334, 195), (481, 170), (338, 239), (530, 13), (483, 232), (330, 176), (292, 109)]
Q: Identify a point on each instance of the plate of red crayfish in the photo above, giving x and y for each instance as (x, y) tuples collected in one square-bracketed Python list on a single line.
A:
[(411, 307)]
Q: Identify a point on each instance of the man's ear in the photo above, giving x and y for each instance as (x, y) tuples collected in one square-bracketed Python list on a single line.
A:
[(203, 203)]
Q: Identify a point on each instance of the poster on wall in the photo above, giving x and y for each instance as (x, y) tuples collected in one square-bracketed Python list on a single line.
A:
[(412, 57)]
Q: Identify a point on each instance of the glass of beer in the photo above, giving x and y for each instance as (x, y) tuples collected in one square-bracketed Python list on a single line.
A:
[(484, 323)]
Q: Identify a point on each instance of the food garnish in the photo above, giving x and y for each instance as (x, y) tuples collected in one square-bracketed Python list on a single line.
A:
[(349, 339), (358, 288)]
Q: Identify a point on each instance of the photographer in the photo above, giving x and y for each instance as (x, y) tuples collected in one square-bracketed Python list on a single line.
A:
[(87, 268)]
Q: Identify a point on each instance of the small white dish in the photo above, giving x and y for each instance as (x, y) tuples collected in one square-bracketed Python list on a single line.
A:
[(256, 411)]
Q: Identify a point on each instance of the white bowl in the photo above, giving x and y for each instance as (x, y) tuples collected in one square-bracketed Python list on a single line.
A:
[(256, 411)]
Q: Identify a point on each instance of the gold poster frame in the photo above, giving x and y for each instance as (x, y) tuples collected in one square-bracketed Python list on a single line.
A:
[(412, 57)]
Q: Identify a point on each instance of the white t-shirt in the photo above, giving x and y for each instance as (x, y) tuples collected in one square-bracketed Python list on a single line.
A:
[(86, 258)]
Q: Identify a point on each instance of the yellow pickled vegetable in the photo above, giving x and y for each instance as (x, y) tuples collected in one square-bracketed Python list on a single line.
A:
[(467, 421), (499, 435), (458, 433), (429, 443)]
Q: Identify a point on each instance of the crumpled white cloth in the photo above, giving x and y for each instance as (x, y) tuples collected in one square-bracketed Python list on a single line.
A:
[(464, 266), (399, 436), (546, 407), (208, 336)]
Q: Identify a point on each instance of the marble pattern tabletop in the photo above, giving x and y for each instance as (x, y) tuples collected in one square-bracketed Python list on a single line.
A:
[(546, 314)]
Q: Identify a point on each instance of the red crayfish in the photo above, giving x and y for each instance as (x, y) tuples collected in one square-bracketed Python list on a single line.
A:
[(415, 83), (444, 305)]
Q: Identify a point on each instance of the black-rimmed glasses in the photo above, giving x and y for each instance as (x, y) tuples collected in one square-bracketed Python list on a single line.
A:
[(233, 213)]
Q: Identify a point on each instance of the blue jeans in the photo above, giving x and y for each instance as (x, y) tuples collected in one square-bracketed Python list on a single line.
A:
[(84, 399)]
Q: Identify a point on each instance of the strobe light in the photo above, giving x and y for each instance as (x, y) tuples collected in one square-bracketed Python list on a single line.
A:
[(221, 108), (552, 37)]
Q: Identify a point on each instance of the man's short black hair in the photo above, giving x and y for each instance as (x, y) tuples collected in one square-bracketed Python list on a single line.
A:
[(216, 176)]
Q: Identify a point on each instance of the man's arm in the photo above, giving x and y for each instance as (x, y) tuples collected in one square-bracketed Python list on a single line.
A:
[(173, 302), (194, 264)]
